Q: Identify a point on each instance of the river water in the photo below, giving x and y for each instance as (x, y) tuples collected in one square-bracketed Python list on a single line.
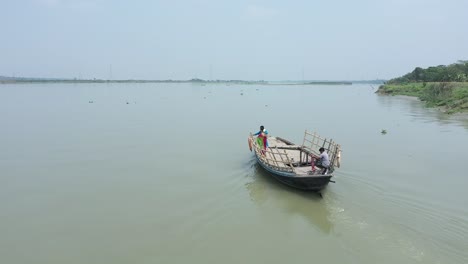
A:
[(161, 173)]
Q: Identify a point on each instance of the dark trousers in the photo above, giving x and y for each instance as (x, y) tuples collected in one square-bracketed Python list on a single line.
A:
[(324, 168)]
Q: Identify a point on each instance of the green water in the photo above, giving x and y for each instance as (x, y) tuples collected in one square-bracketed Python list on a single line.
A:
[(161, 173)]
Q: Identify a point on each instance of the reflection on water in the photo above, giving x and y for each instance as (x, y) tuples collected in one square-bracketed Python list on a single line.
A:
[(309, 205)]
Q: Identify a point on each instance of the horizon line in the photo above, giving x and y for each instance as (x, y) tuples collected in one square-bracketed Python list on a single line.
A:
[(14, 78)]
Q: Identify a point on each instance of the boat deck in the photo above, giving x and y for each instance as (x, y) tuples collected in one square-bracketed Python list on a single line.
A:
[(283, 155)]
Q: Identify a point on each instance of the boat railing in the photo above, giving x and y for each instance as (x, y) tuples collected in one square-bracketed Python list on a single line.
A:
[(273, 157), (313, 142)]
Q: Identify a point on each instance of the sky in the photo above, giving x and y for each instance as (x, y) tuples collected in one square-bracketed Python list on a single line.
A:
[(229, 40)]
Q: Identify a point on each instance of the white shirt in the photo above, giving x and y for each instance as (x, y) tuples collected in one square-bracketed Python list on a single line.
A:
[(324, 159)]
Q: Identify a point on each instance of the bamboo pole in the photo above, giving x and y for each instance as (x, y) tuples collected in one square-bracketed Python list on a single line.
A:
[(273, 155), (281, 157), (290, 162)]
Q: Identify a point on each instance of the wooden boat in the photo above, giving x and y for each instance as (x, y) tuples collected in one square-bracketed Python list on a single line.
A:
[(294, 165)]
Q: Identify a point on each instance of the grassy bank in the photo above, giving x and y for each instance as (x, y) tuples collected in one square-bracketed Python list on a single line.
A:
[(450, 97)]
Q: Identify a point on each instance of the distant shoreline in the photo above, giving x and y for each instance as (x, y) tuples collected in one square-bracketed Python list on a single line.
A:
[(197, 81), (20, 80)]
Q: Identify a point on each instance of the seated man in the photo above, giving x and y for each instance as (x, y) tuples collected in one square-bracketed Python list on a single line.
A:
[(323, 161)]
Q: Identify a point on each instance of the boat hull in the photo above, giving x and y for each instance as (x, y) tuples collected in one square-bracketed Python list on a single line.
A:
[(307, 183)]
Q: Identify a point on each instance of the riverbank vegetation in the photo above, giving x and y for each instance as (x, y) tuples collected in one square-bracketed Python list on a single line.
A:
[(445, 87)]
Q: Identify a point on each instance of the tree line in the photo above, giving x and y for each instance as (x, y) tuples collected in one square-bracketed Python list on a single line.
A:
[(456, 72)]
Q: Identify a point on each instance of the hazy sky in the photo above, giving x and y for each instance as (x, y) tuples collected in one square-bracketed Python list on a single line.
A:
[(241, 39)]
